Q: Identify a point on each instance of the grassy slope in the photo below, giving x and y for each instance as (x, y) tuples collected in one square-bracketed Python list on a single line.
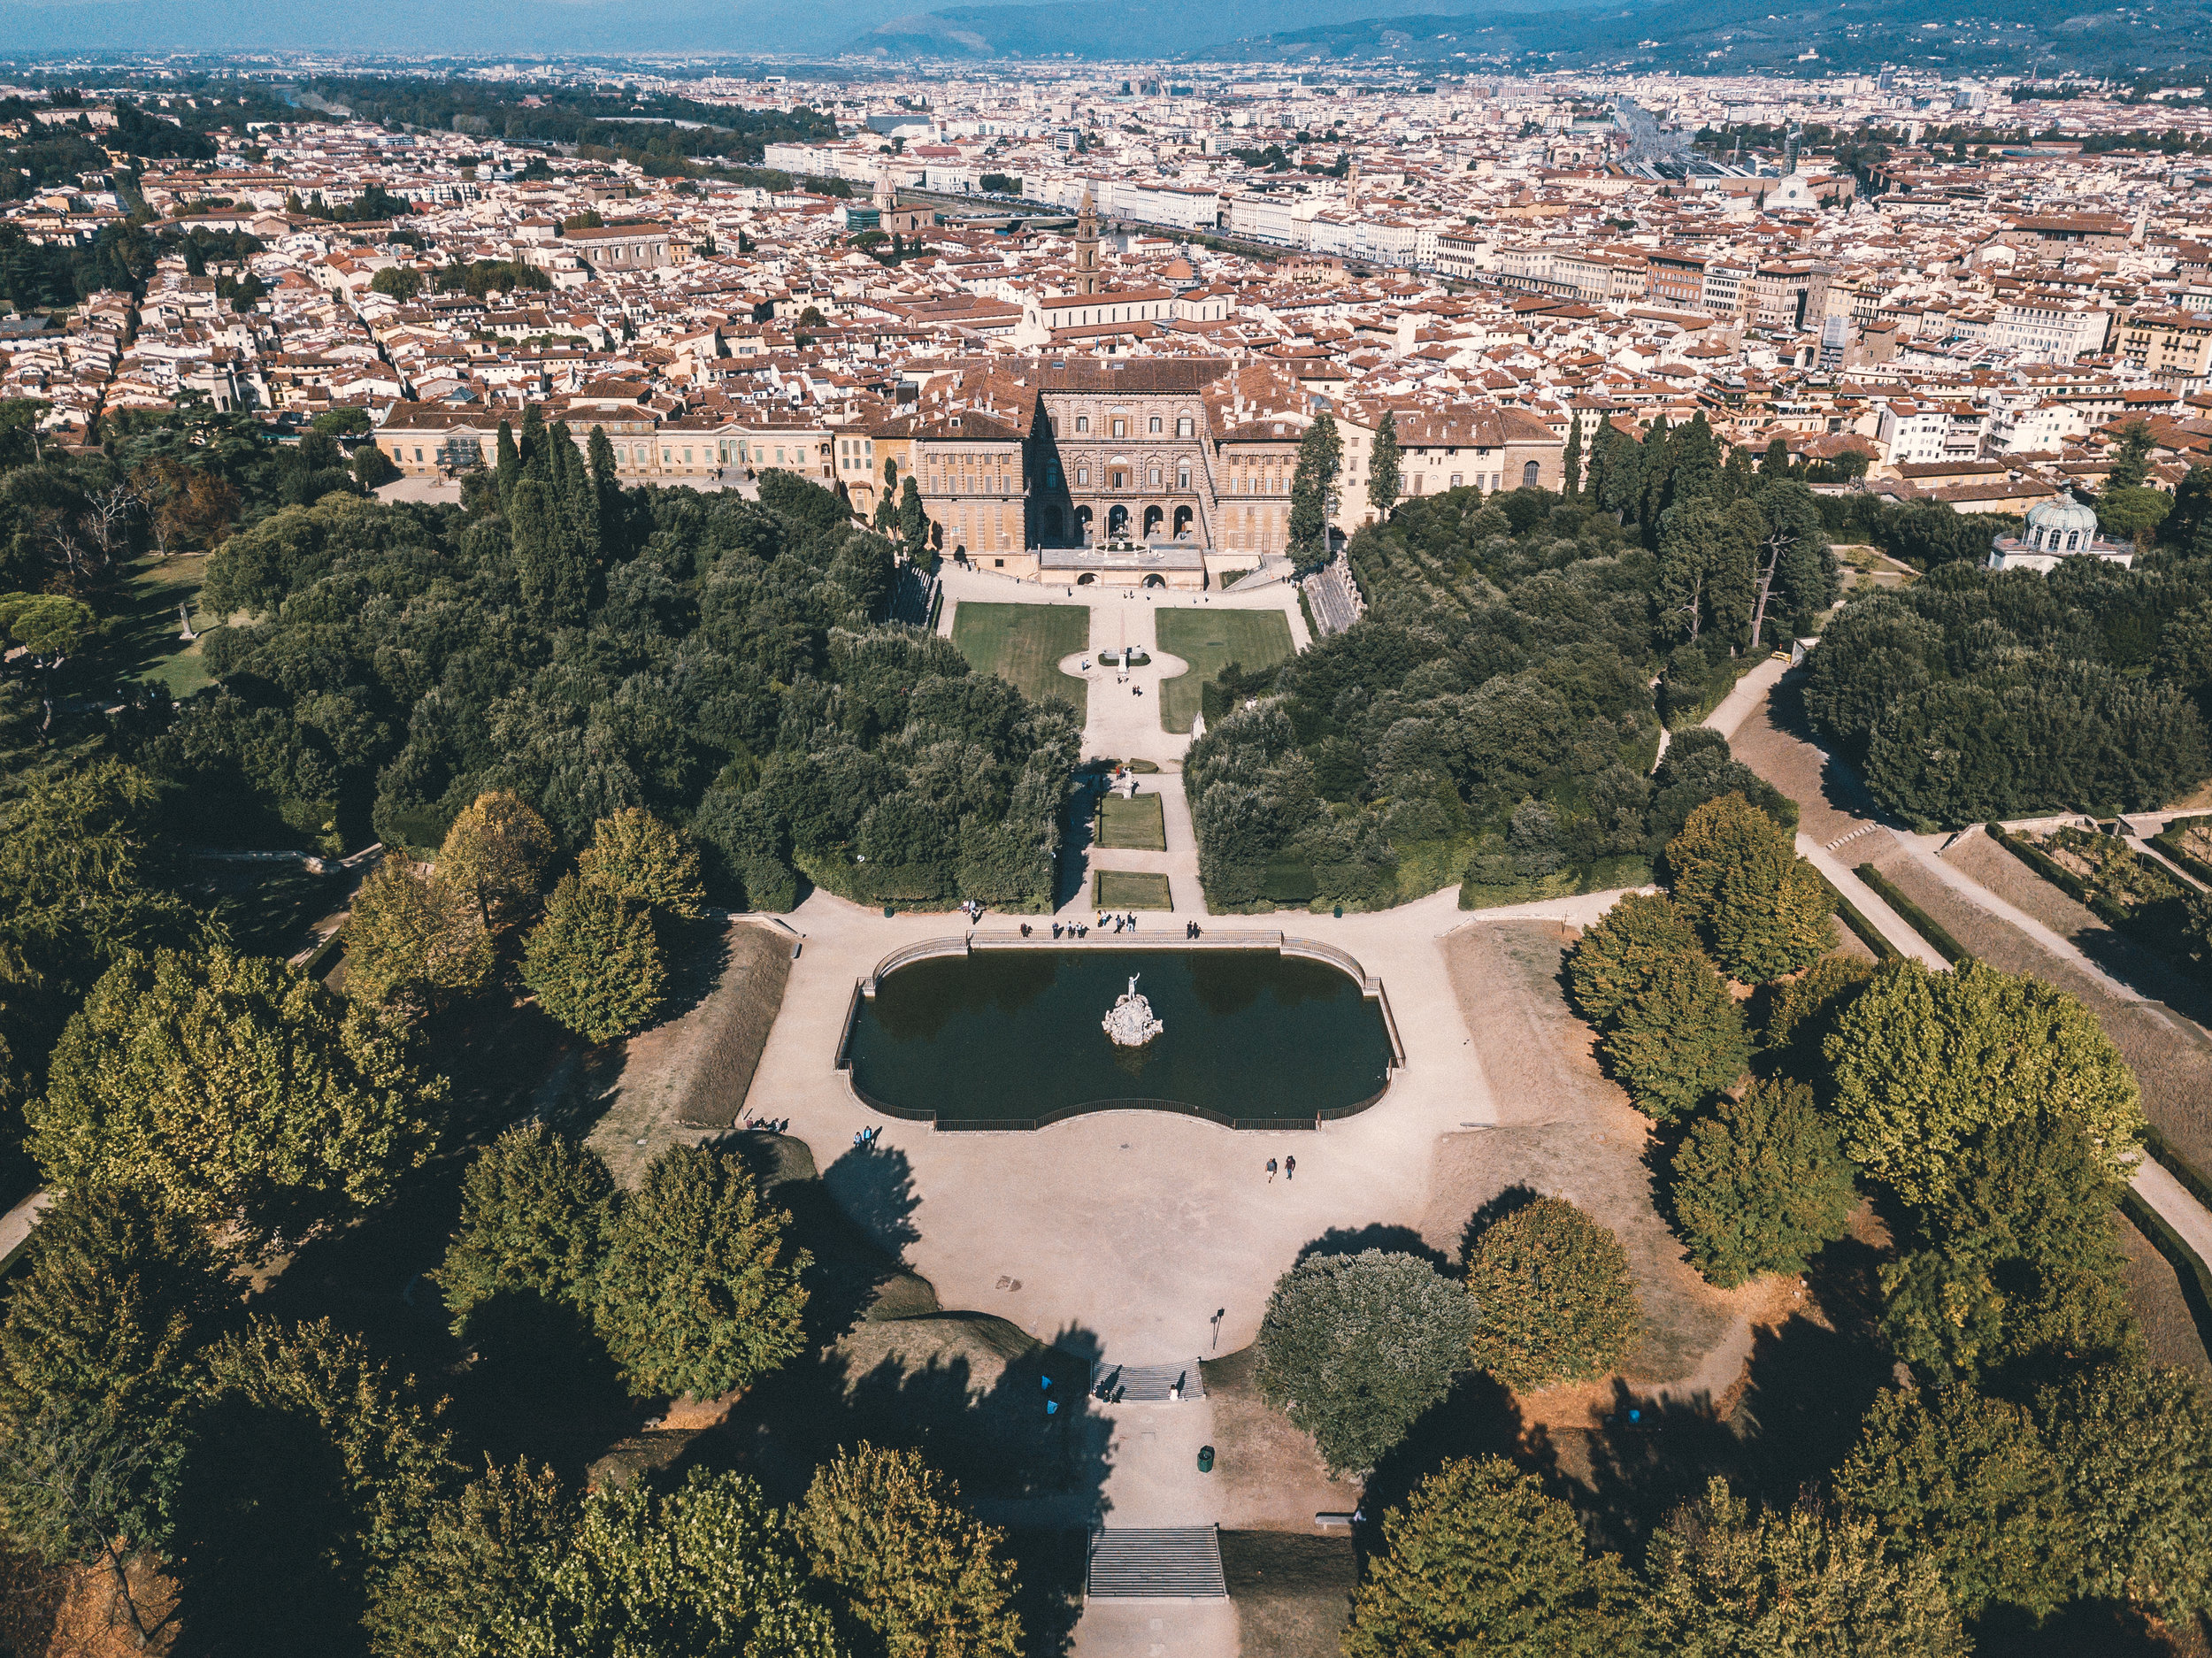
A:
[(1209, 639), (1024, 643)]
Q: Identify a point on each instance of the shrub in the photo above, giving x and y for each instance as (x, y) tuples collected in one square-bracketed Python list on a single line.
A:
[(1552, 1296), (1355, 1348)]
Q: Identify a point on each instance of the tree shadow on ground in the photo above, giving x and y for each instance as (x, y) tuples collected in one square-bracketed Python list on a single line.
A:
[(873, 1186), (1840, 788), (977, 1409), (1478, 1418), (697, 953), (1351, 1240), (1648, 1457), (851, 1277), (1810, 1381), (1072, 873)]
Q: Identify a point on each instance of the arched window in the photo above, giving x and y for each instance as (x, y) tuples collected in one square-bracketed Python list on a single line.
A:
[(2073, 539), (1528, 476), (1155, 425)]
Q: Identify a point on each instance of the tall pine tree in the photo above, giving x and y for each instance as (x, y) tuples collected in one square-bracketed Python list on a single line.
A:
[(1571, 481)]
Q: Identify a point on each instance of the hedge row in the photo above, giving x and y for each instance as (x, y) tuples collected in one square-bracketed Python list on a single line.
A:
[(1916, 917)]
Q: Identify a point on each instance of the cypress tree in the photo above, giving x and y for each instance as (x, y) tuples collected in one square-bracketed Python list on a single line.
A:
[(1313, 491), (508, 466), (1658, 468), (1383, 480), (1571, 481), (531, 445)]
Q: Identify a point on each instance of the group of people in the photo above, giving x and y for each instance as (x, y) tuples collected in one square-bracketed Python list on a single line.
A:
[(1190, 929), (869, 1136), (972, 909), (1126, 922), (1290, 1168), (767, 1125)]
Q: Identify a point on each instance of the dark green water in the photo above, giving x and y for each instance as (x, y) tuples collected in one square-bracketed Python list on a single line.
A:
[(1014, 1036)]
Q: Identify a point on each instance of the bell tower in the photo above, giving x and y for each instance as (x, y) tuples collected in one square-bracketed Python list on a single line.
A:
[(1087, 278)]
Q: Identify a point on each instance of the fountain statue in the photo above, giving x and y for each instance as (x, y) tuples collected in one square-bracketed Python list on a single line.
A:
[(1130, 1023)]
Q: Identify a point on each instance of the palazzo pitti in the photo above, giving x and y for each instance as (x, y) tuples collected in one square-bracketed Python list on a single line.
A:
[(1160, 472)]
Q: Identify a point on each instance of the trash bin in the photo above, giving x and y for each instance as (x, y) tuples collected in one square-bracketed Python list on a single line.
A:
[(1205, 1458), (1339, 912), (888, 913)]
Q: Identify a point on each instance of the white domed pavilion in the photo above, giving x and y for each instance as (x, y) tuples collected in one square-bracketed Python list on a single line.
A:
[(2060, 529)]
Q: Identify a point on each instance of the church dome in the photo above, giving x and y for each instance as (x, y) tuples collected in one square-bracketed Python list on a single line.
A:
[(2060, 516)]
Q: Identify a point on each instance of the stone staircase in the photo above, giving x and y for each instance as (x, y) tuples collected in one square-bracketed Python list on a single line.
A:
[(1147, 1384), (1171, 1562)]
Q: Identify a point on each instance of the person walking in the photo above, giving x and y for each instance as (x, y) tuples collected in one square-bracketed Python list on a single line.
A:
[(1290, 1168), (1270, 1171)]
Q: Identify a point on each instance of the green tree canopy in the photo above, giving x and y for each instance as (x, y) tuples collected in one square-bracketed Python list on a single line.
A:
[(415, 937), (1759, 1184), (1481, 1560), (700, 1293), (2134, 1447), (636, 856), (311, 1466), (1552, 1295), (1801, 1011), (232, 1088), (1965, 1483), (476, 1563), (709, 1570), (1761, 908), (497, 849), (536, 1212), (594, 961), (104, 1345), (916, 1574), (1728, 1582), (1616, 959), (2016, 1271), (1923, 1060), (1678, 1042), (1354, 1347)]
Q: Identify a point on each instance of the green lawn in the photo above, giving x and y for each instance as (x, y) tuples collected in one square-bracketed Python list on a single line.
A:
[(1132, 825), (1024, 643), (143, 639), (1209, 639), (1127, 889)]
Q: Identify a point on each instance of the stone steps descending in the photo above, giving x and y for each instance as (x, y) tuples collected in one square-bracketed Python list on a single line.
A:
[(1147, 1384), (1176, 1563)]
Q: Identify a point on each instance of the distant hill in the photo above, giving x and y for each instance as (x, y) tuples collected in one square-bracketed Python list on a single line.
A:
[(1060, 28), (1714, 36)]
